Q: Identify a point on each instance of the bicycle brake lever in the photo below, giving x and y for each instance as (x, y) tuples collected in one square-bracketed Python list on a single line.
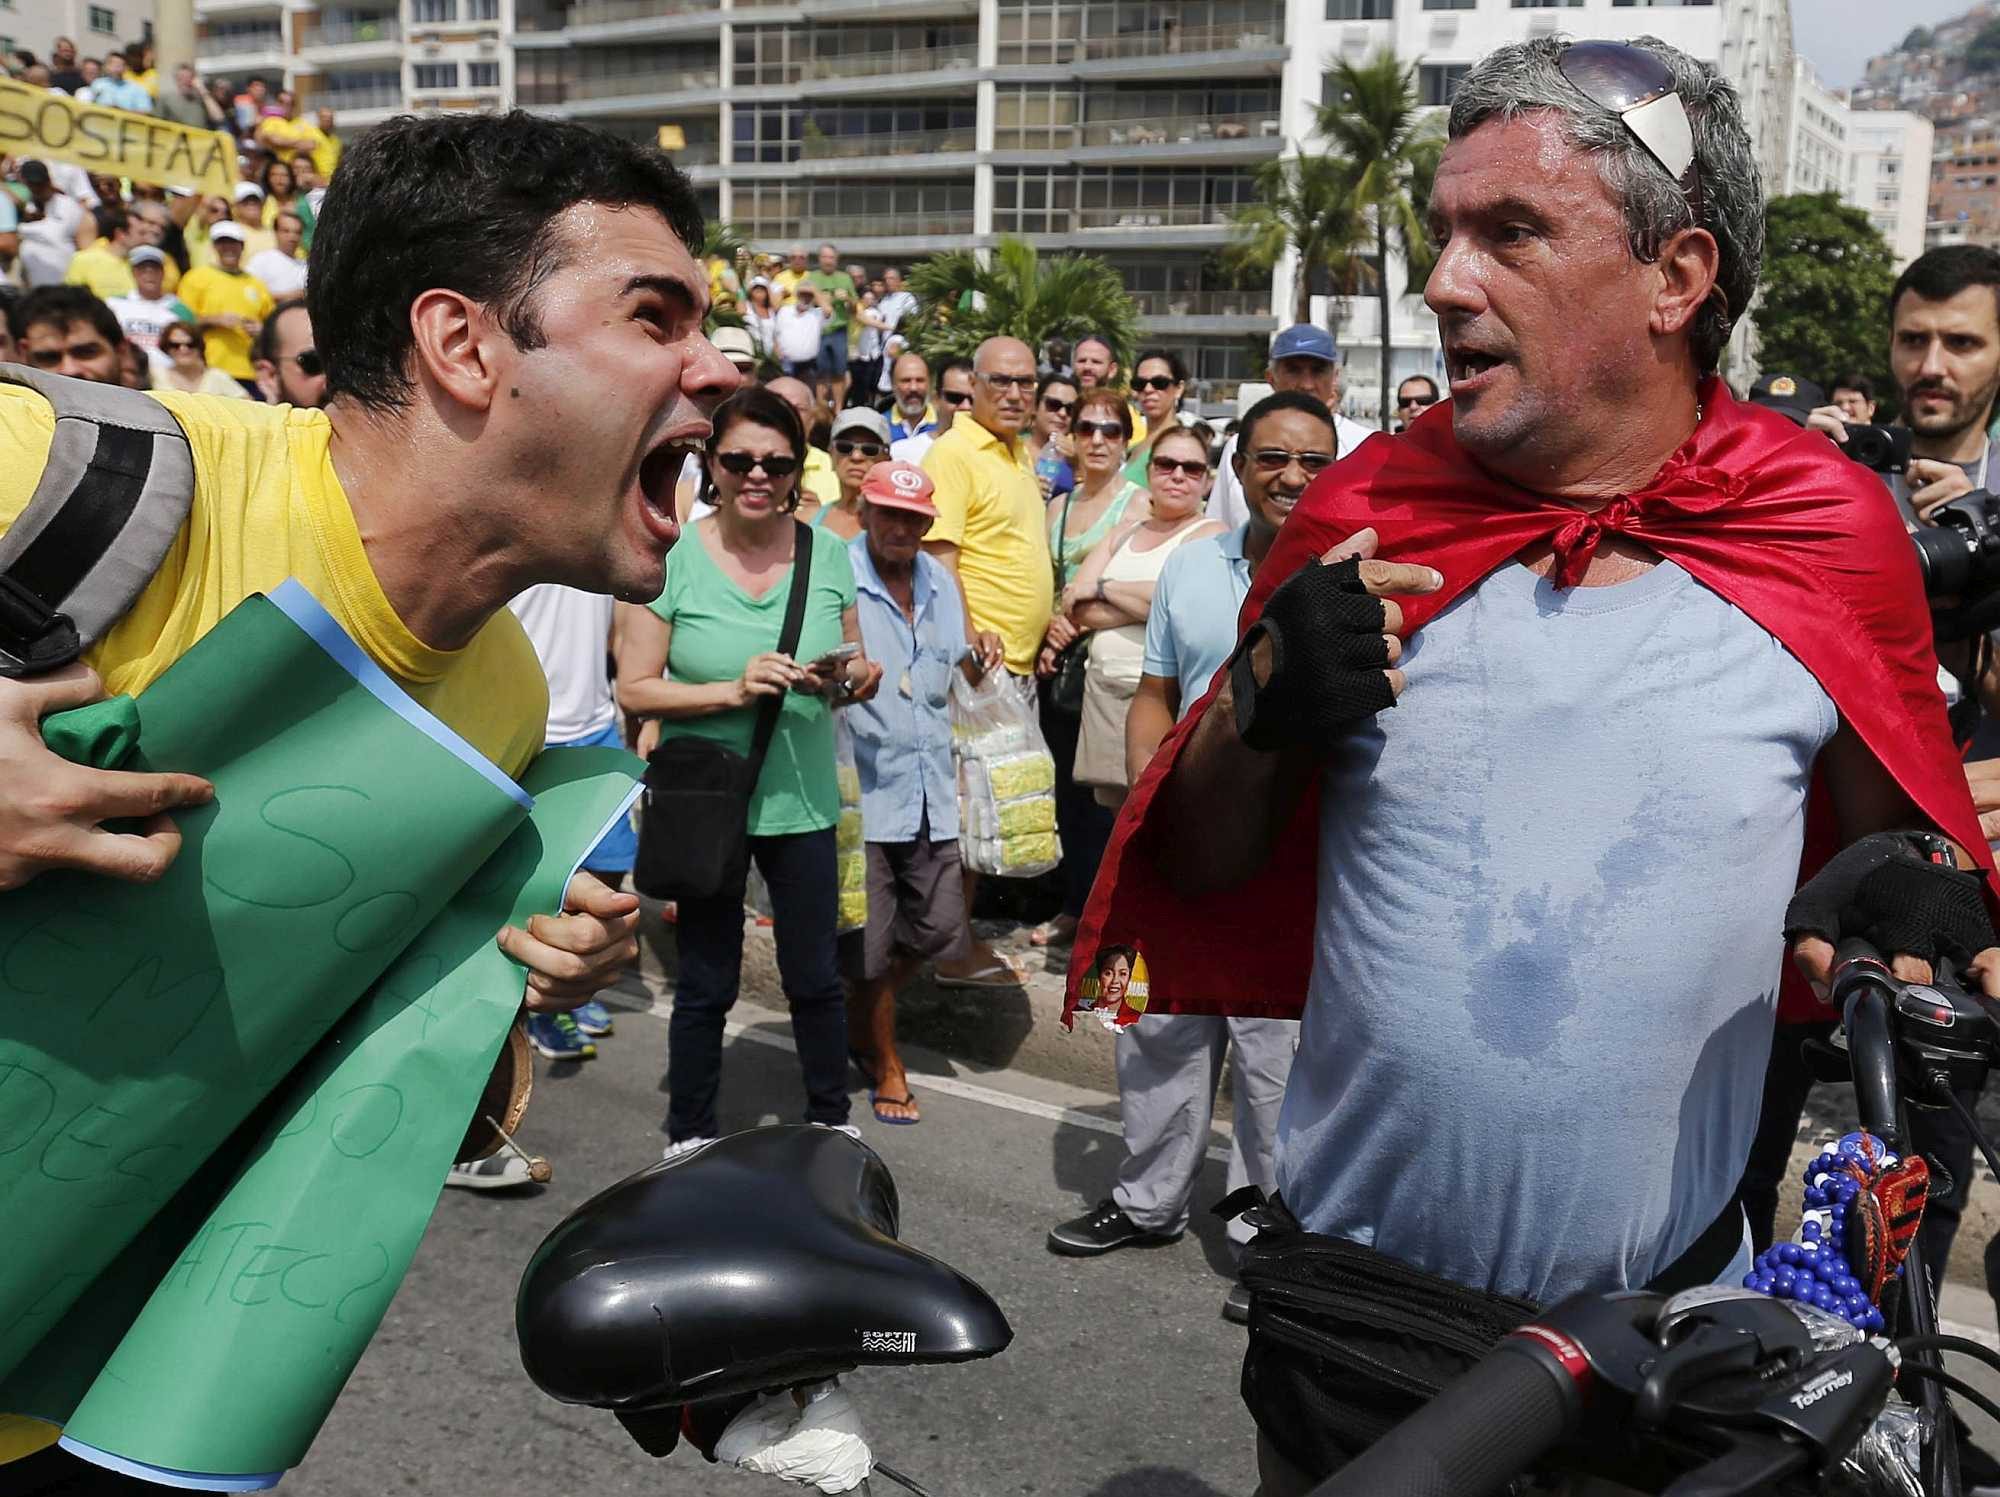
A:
[(1708, 1351), (1751, 1463)]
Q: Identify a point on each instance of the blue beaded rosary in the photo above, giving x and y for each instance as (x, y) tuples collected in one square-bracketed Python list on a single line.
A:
[(1818, 1269)]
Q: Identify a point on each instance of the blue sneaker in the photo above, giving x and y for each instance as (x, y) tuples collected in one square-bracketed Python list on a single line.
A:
[(557, 1037), (593, 1018)]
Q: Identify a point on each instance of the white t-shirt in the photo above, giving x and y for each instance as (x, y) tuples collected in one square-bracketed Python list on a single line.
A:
[(145, 321), (571, 633), (912, 449), (281, 274), (1225, 500), (48, 243), (798, 333)]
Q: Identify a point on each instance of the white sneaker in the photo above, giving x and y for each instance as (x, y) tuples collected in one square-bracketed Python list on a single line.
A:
[(848, 1128), (685, 1147), (502, 1171)]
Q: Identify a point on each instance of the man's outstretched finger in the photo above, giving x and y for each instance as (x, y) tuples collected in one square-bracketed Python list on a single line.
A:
[(107, 794), (1906, 968), (1984, 969), (590, 895), (1385, 578)]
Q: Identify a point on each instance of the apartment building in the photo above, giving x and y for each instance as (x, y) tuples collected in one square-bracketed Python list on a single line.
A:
[(1877, 160), (364, 59), (96, 26)]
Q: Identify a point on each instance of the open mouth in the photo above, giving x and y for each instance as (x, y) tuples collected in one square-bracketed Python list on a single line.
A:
[(1466, 365), (659, 474)]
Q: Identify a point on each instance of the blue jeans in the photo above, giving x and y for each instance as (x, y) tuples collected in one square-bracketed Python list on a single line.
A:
[(802, 871)]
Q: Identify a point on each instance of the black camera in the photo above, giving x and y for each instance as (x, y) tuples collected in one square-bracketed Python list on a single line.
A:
[(1959, 551), (1886, 449)]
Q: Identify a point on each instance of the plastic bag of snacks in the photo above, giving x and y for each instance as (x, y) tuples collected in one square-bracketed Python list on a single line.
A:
[(853, 881), (1006, 780)]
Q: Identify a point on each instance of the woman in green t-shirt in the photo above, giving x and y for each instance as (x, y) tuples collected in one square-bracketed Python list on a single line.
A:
[(699, 660)]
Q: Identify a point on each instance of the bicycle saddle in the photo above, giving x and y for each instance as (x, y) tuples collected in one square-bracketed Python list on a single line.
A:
[(765, 1259)]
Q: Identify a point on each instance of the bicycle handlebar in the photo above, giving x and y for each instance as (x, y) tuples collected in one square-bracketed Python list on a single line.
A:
[(1476, 1436)]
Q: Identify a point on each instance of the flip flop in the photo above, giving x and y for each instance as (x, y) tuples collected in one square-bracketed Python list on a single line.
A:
[(1060, 931), (877, 1101), (997, 974)]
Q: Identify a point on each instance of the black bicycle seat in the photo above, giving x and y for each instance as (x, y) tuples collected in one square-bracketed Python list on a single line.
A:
[(765, 1259)]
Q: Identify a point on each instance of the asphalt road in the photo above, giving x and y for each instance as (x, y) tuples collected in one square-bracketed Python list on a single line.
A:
[(1121, 1381)]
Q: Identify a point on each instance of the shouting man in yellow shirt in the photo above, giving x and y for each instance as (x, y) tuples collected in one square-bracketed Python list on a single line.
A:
[(516, 371)]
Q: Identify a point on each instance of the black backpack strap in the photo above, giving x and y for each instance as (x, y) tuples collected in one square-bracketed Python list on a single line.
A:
[(788, 642), (113, 495)]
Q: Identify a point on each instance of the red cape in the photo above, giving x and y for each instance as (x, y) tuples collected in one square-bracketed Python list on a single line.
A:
[(1768, 516)]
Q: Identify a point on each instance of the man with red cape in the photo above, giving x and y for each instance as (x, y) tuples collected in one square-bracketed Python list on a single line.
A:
[(1653, 655)]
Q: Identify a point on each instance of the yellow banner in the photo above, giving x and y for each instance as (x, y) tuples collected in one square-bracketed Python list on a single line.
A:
[(113, 142)]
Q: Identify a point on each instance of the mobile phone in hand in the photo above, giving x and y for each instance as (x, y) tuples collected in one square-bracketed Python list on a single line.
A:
[(836, 656)]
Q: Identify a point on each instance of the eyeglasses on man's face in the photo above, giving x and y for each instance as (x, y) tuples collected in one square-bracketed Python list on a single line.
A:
[(999, 383), (1416, 400), (1277, 459), (955, 397)]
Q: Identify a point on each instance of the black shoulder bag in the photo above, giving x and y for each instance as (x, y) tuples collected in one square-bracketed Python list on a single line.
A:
[(694, 822), (1064, 688)]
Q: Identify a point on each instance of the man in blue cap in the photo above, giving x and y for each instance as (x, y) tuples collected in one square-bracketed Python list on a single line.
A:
[(1303, 358)]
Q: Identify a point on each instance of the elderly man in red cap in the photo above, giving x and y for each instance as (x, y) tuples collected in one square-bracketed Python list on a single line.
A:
[(913, 624)]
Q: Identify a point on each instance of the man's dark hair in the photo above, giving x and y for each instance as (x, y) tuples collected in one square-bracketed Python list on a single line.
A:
[(266, 351), (111, 219), (1940, 274), (1104, 338), (464, 202), (1424, 379), (1271, 405), (1860, 384), (11, 298), (63, 305), (757, 406), (957, 361), (1166, 356)]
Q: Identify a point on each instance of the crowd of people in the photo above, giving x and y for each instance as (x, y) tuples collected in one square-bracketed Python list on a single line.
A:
[(852, 537), (189, 280)]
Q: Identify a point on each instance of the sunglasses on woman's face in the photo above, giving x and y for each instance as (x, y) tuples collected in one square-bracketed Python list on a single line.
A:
[(1155, 382), (1111, 431), (848, 448), (1190, 467), (743, 464), (179, 345), (1057, 407)]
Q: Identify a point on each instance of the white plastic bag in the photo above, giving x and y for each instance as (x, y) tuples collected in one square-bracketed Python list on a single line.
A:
[(1006, 780), (821, 1445)]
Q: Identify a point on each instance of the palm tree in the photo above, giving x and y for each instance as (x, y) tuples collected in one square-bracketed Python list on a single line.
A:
[(1388, 145), (1306, 211), (724, 241), (962, 302)]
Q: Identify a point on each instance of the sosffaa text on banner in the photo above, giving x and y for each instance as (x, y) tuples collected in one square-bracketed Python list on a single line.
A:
[(113, 142)]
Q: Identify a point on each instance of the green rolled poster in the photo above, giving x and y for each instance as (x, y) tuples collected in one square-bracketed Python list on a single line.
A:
[(228, 1373), (141, 1024)]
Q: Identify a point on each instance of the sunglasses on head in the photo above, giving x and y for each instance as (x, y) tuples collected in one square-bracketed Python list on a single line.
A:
[(1111, 431), (846, 447), (1057, 407), (1638, 87), (1155, 382), (1191, 466), (743, 464)]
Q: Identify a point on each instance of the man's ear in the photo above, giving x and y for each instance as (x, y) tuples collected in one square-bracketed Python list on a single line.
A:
[(1688, 266), (456, 346)]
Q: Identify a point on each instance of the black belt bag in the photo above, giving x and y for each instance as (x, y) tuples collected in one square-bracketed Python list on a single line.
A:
[(694, 820), (1346, 1343)]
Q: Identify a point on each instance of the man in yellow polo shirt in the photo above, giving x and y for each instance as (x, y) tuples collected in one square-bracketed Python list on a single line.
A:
[(992, 533), (229, 306), (496, 420)]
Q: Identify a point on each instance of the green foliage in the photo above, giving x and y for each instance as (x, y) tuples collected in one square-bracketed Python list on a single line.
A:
[(1389, 145), (1306, 211), (1824, 308), (962, 302), (1983, 56), (1918, 38), (720, 238)]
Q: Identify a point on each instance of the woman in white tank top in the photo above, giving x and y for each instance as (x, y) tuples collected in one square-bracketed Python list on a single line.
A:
[(1112, 593)]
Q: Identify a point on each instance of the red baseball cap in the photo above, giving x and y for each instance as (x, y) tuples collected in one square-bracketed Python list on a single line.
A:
[(900, 486)]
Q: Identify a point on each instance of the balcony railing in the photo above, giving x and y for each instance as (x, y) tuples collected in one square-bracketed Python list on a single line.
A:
[(861, 64), (863, 226), (387, 29), (697, 153), (1155, 216), (389, 96), (602, 12), (680, 80), (1203, 303), (886, 143), (235, 43), (1263, 124), (1165, 41)]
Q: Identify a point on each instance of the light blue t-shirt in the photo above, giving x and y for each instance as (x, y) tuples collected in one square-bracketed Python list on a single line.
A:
[(1552, 883), (1191, 629)]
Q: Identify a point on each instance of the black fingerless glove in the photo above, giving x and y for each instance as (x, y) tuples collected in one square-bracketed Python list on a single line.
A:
[(1329, 661), (1885, 891)]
